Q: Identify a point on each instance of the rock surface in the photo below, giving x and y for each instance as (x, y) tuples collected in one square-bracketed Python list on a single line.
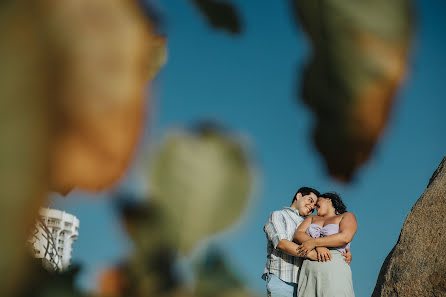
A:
[(416, 266)]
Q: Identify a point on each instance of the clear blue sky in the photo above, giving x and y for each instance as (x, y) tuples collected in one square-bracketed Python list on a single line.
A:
[(247, 83)]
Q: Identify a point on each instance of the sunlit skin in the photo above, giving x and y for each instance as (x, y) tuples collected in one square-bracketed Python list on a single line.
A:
[(326, 214)]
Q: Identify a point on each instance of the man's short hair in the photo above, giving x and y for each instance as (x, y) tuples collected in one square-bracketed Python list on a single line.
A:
[(306, 191)]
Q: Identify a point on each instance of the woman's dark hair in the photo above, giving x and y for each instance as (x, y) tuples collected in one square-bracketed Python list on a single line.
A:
[(306, 191), (336, 200)]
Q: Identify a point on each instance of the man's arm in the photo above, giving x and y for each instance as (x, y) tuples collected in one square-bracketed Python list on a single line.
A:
[(347, 256), (275, 229)]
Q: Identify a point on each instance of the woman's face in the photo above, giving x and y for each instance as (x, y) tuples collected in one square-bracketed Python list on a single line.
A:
[(323, 206)]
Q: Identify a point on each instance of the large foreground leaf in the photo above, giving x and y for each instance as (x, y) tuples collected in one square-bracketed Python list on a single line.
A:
[(105, 51), (359, 57), (72, 80), (24, 131)]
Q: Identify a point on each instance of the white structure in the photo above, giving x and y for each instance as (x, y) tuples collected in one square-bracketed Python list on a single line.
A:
[(53, 237)]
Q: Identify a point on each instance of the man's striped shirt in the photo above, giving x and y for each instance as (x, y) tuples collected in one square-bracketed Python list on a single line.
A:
[(282, 224)]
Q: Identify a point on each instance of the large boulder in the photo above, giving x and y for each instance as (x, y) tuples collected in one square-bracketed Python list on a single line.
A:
[(416, 266)]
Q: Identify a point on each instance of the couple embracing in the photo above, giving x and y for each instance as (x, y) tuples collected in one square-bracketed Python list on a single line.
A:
[(309, 256)]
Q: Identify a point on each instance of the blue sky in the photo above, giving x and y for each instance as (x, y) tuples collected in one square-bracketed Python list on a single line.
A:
[(247, 83)]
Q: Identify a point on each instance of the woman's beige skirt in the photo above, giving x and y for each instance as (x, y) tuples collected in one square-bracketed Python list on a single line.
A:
[(326, 279)]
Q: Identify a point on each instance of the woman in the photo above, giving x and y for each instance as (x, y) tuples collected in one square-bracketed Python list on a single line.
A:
[(334, 228)]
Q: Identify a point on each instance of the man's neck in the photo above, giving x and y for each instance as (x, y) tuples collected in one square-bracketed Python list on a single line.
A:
[(293, 206)]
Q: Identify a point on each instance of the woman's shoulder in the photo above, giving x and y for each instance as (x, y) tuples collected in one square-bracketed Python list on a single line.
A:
[(314, 219), (309, 220), (348, 215)]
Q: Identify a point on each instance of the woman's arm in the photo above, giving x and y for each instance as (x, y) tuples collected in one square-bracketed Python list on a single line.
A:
[(300, 236), (347, 229)]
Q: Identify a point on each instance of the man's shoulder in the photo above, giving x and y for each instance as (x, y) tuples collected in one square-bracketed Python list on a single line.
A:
[(279, 212), (282, 210), (286, 213), (275, 216)]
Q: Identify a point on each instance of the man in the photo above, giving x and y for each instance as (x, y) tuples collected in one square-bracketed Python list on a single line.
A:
[(283, 259)]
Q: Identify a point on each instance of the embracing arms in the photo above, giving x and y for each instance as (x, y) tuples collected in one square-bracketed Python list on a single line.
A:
[(347, 229), (292, 249), (300, 236)]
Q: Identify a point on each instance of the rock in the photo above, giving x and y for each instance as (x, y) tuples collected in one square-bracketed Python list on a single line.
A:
[(416, 266)]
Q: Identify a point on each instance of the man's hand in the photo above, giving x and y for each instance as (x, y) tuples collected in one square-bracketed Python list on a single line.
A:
[(323, 254), (312, 255), (347, 256), (307, 246), (299, 253)]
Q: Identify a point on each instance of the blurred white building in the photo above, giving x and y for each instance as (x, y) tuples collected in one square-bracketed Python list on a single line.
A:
[(53, 237)]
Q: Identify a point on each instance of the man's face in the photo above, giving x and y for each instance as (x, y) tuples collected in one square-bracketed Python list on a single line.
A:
[(305, 204)]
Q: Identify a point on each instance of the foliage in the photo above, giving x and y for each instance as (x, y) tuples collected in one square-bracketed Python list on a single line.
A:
[(72, 100), (202, 181), (24, 113), (359, 59), (72, 88), (220, 15), (107, 52)]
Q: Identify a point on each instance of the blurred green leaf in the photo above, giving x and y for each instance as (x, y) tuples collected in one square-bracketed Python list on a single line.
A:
[(202, 182), (216, 277), (149, 271), (358, 61)]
